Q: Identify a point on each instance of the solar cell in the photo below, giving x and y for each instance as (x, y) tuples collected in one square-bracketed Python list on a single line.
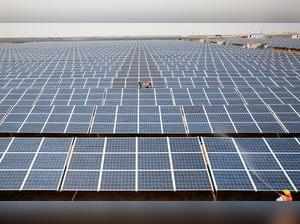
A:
[(121, 145), (230, 161), (248, 145), (155, 180), (151, 161), (24, 145), (152, 145), (81, 180), (260, 162), (11, 180), (119, 162), (270, 180), (4, 143), (219, 145), (283, 145), (85, 161), (184, 145), (187, 161), (43, 180), (192, 180), (118, 180), (232, 180), (16, 160), (56, 145)]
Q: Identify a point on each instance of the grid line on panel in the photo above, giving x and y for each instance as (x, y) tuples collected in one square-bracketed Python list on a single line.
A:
[(190, 97), (104, 97), (115, 121), (173, 97), (25, 119), (160, 119), (54, 97), (277, 119), (206, 96), (69, 119), (6, 113), (155, 99), (209, 166), (29, 113), (230, 119), (50, 113), (276, 95), (32, 162), (92, 119), (287, 89), (7, 148), (136, 186), (69, 100), (206, 115), (280, 165), (183, 117), (102, 165), (20, 98), (138, 113), (72, 144), (122, 96), (295, 110), (244, 164), (87, 96), (253, 119), (171, 164), (224, 99), (67, 164)]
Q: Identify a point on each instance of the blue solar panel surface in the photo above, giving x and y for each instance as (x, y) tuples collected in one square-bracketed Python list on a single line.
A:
[(90, 88)]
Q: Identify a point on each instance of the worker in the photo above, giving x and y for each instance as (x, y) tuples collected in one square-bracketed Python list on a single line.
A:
[(285, 196), (140, 84), (147, 84)]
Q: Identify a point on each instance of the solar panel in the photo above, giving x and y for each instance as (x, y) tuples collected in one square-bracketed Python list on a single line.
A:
[(140, 166), (71, 93), (284, 42), (250, 162)]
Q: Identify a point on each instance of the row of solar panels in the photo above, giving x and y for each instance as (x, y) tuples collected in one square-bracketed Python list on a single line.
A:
[(281, 42), (9, 71), (133, 91), (163, 83), (151, 119), (154, 57), (183, 96), (149, 164), (195, 68), (155, 74)]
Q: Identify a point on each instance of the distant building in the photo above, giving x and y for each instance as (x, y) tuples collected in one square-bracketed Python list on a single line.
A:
[(256, 36), (296, 36)]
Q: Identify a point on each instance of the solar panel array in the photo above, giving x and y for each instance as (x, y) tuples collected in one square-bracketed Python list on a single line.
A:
[(150, 164), (62, 105), (153, 119), (285, 42)]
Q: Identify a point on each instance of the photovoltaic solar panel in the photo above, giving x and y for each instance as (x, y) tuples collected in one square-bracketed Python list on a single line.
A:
[(255, 162), (58, 91)]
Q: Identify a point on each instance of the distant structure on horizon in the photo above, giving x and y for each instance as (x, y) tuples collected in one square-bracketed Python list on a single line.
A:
[(256, 36), (296, 36)]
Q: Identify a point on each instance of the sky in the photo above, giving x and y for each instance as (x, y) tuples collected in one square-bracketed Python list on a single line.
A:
[(149, 11)]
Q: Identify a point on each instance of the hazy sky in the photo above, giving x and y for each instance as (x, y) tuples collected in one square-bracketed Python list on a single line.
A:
[(150, 11)]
